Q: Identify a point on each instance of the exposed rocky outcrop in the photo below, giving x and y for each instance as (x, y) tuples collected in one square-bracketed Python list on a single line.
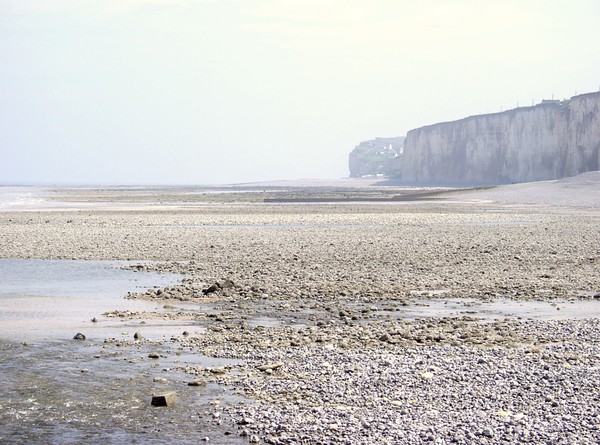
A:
[(551, 140), (376, 157)]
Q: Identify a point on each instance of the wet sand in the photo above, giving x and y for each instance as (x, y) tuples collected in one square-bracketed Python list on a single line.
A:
[(308, 310)]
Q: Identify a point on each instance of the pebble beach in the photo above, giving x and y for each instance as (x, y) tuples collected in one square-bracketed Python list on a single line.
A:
[(305, 310)]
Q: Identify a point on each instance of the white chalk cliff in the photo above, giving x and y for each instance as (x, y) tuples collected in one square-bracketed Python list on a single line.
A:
[(546, 141)]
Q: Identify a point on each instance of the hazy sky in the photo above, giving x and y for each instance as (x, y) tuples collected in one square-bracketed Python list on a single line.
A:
[(224, 91)]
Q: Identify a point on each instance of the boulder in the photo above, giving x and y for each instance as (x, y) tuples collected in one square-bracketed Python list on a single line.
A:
[(164, 399), (197, 383), (210, 289)]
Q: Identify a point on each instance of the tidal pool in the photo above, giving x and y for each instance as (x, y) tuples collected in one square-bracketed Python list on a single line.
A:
[(559, 309)]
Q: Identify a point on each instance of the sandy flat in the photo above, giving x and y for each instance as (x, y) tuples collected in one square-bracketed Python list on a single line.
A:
[(582, 192)]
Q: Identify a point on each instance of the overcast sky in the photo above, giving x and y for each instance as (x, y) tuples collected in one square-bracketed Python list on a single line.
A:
[(229, 91)]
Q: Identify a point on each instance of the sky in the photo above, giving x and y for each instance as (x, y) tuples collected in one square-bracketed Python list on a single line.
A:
[(234, 91)]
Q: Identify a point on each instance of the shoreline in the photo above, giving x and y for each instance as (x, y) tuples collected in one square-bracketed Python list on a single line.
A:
[(309, 306)]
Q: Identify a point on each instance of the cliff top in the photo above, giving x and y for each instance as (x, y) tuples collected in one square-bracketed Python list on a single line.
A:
[(544, 104)]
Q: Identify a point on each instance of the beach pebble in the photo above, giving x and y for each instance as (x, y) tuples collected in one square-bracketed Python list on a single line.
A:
[(197, 383), (270, 366)]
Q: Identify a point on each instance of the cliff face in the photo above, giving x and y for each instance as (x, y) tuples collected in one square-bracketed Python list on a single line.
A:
[(378, 156), (546, 141)]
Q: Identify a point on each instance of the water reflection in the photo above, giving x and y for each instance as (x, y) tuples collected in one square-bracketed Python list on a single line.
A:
[(44, 299)]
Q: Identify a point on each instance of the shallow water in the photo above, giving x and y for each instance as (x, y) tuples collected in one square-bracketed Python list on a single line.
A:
[(59, 390), (503, 308), (20, 198), (46, 398), (53, 299)]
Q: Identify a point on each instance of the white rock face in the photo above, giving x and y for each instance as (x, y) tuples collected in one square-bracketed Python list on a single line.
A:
[(546, 141)]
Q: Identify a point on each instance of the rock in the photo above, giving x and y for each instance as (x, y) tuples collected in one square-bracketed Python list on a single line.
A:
[(164, 399), (197, 383), (272, 366), (386, 337), (503, 145), (225, 283), (137, 336), (94, 320), (426, 375), (210, 289), (79, 336), (185, 333), (154, 355), (159, 380), (487, 432)]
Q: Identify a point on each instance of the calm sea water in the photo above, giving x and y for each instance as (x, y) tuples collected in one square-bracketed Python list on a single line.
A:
[(54, 299), (20, 198)]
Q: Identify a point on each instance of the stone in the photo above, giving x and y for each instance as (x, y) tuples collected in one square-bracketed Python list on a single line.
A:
[(225, 283), (137, 336), (426, 375), (487, 432), (154, 355), (164, 399), (79, 336), (386, 337), (197, 383), (271, 366), (210, 289)]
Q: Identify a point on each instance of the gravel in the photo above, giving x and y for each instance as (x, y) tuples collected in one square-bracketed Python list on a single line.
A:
[(306, 299)]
